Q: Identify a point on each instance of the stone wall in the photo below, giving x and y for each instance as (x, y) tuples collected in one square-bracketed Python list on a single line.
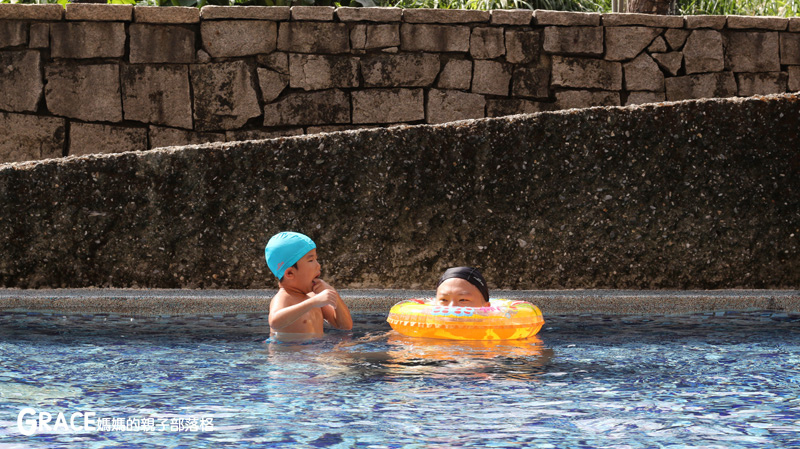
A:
[(113, 78), (700, 194)]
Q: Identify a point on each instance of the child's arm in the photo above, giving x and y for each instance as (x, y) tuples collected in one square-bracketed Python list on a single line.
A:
[(338, 315), (282, 315)]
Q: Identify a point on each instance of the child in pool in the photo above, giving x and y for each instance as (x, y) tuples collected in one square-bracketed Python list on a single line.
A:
[(304, 301), (463, 287)]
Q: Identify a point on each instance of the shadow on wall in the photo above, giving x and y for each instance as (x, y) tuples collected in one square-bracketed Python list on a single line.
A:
[(697, 194)]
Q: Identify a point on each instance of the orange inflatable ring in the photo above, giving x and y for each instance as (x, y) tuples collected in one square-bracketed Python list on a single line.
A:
[(503, 320)]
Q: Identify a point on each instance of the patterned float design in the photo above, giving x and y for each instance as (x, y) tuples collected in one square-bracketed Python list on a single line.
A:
[(503, 320)]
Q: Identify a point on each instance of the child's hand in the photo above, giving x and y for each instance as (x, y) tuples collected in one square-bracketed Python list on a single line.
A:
[(318, 285), (327, 297)]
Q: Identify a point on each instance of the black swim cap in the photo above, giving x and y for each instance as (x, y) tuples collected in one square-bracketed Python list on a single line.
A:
[(469, 274)]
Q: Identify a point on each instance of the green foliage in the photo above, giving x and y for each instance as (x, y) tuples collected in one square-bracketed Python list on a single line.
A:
[(201, 3), (782, 8), (555, 5)]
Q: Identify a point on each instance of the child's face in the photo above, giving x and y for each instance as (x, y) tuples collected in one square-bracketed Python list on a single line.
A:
[(308, 269), (459, 292)]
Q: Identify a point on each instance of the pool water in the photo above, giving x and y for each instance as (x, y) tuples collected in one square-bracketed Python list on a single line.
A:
[(708, 381)]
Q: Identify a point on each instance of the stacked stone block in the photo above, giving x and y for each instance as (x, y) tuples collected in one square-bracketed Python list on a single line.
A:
[(111, 78)]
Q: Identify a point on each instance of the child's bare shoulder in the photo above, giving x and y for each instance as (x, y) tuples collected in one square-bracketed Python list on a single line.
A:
[(283, 299)]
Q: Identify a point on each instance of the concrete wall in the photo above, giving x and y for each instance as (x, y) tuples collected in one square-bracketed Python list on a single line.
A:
[(697, 194), (113, 78)]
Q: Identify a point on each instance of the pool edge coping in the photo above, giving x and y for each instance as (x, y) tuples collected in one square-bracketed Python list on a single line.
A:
[(164, 302)]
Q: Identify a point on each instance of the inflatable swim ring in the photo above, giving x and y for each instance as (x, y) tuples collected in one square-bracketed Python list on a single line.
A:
[(503, 320)]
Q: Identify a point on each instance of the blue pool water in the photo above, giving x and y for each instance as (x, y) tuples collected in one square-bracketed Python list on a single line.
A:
[(726, 382)]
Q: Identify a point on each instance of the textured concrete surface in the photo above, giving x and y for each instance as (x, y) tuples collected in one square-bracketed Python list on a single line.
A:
[(130, 302), (693, 195)]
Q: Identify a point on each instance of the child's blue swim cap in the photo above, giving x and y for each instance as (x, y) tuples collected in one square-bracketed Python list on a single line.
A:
[(285, 249)]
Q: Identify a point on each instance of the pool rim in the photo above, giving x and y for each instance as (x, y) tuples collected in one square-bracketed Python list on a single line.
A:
[(184, 302)]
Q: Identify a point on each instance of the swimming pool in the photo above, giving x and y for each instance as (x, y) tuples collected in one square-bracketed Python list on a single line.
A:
[(711, 380)]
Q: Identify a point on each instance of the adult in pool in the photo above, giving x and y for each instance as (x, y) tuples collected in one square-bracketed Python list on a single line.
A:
[(458, 287), (304, 301), (462, 311), (462, 287)]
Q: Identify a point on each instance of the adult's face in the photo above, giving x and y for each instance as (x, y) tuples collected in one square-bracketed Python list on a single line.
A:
[(459, 292)]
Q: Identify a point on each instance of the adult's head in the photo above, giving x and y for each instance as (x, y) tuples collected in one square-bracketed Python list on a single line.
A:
[(463, 287)]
